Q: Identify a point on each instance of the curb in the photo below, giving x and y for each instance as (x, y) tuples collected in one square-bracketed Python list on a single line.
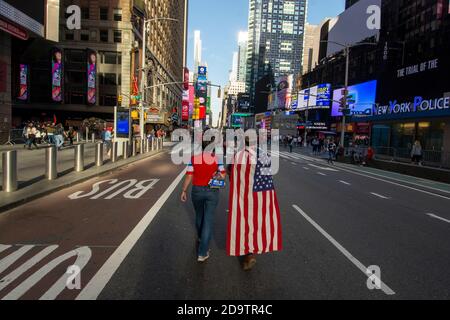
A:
[(95, 173)]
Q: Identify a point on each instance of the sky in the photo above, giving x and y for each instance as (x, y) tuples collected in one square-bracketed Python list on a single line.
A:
[(220, 21)]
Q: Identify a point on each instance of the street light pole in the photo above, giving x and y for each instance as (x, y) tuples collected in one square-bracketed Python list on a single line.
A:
[(347, 63)]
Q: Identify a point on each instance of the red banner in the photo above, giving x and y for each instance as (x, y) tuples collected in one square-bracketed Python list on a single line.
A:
[(14, 30), (185, 111), (186, 79)]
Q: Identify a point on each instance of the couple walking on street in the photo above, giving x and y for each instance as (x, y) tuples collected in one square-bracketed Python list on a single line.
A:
[(254, 225)]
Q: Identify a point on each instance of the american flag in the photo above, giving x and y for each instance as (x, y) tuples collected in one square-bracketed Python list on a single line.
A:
[(254, 224)]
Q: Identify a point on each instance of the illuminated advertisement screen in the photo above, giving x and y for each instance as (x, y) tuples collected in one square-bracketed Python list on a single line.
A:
[(92, 77), (123, 123), (319, 98), (57, 75), (361, 99), (284, 91), (23, 83)]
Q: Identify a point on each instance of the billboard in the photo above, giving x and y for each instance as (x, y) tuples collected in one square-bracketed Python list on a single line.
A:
[(317, 97), (351, 26), (123, 123), (23, 82), (361, 99), (91, 77), (57, 75), (284, 90)]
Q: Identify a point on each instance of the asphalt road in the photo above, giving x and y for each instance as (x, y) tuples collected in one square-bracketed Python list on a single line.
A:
[(337, 221)]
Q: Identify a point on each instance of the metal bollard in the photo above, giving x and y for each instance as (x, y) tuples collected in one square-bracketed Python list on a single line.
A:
[(133, 148), (153, 143), (79, 157), (9, 159), (160, 143), (99, 154), (93, 137), (51, 172), (125, 150), (142, 146), (114, 152), (78, 137)]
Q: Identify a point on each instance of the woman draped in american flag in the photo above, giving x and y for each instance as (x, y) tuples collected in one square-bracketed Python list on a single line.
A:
[(254, 225)]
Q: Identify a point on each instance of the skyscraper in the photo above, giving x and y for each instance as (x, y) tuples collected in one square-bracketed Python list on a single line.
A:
[(234, 68), (242, 56), (275, 39), (197, 50)]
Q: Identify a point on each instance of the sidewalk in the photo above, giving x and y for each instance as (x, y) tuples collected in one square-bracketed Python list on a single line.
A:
[(423, 172), (32, 182)]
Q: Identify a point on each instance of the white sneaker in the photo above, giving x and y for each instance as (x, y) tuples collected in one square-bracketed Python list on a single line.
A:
[(203, 258)]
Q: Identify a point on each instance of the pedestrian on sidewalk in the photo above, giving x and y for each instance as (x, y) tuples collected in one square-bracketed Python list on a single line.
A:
[(51, 133), (331, 151), (201, 170), (252, 202), (31, 136), (416, 153), (107, 140), (59, 136), (291, 143)]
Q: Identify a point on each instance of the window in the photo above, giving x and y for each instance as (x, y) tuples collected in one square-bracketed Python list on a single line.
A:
[(111, 57), (117, 14), (117, 36), (69, 35), (110, 79), (289, 7), (85, 13), (104, 35), (103, 13), (84, 35), (286, 46), (288, 27)]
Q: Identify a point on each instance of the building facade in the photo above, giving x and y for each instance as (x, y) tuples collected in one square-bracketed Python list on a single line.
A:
[(21, 23), (409, 65), (275, 39), (99, 64)]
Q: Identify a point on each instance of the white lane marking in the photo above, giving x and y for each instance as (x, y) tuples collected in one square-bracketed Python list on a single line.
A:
[(396, 184), (321, 173), (322, 168), (293, 163), (3, 247), (379, 195), (6, 262), (306, 168), (437, 217), (104, 275), (6, 280), (345, 182), (371, 175), (344, 251), (83, 255)]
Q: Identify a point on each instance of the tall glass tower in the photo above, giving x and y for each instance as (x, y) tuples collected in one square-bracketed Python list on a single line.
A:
[(275, 39)]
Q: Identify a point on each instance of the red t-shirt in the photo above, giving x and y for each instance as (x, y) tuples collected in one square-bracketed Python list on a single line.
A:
[(203, 167)]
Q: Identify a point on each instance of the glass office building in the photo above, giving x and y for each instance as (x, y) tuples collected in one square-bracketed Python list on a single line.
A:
[(275, 39)]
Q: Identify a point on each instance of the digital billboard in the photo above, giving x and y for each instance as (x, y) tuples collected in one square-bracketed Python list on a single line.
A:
[(92, 77), (361, 99), (317, 97), (284, 91), (57, 75), (23, 82), (123, 123)]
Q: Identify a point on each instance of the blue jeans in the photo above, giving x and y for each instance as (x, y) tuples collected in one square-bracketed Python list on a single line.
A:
[(205, 201), (59, 140)]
